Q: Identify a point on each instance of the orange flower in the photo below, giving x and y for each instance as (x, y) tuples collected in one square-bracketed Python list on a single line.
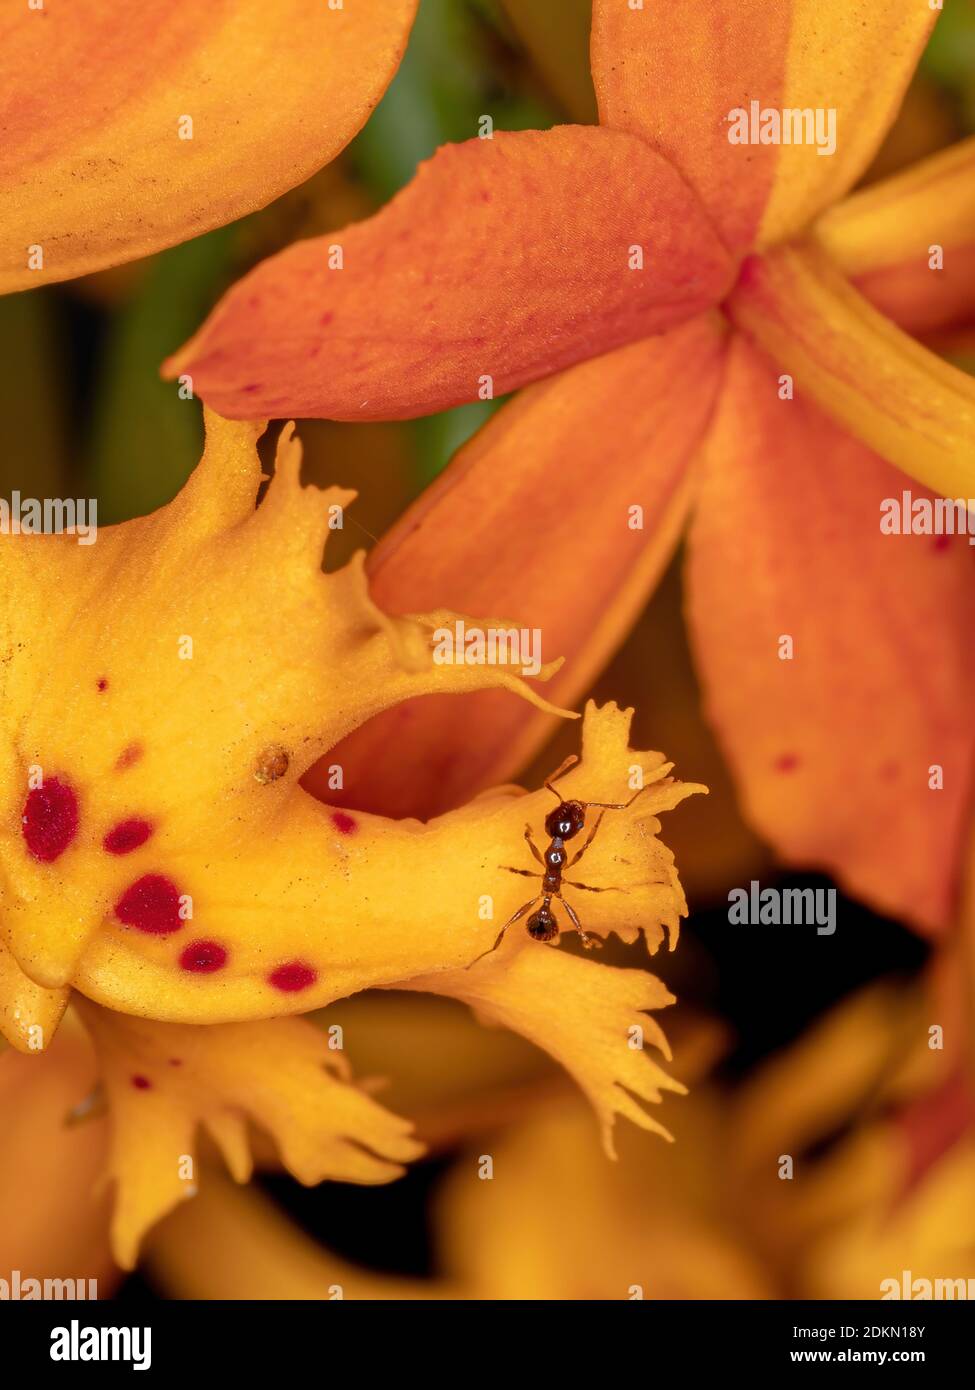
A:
[(128, 128), (831, 654)]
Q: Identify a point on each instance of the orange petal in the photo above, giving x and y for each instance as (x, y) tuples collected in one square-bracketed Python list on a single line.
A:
[(915, 410), (884, 239), (503, 261), (53, 1219), (98, 164), (833, 749), (532, 518), (675, 73)]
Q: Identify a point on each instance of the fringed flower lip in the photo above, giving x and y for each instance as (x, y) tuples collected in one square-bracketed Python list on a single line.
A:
[(130, 128), (163, 1083), (155, 738), (740, 309), (161, 860)]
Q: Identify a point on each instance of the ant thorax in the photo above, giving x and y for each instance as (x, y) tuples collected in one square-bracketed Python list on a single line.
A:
[(564, 823)]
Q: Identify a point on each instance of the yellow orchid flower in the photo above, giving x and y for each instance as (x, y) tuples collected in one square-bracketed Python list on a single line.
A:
[(590, 261), (130, 129), (163, 693), (874, 1109)]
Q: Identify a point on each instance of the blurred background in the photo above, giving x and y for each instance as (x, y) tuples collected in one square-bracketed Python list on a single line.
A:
[(793, 1045)]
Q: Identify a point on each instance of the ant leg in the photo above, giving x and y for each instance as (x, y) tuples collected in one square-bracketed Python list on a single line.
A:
[(532, 845), (604, 806), (571, 883), (620, 805), (560, 771), (592, 835), (525, 873), (589, 942), (615, 888), (510, 923)]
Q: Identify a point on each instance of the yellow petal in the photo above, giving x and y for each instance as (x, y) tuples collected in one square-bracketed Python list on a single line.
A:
[(591, 1018), (99, 163), (164, 1081), (318, 904), (164, 689), (886, 236), (29, 1014), (912, 408)]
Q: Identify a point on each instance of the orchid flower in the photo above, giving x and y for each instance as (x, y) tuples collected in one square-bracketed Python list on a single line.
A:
[(719, 338), (163, 692)]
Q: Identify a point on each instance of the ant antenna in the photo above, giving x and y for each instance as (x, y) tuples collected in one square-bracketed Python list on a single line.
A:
[(560, 771), (617, 805)]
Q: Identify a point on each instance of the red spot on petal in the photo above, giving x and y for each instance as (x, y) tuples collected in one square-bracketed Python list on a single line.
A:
[(788, 762), (203, 957), (127, 836), (151, 904), (102, 683), (175, 1061), (128, 757), (142, 1083), (251, 387), (292, 977), (344, 823), (50, 820), (326, 319)]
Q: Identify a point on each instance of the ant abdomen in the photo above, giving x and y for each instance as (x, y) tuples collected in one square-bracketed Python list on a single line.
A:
[(542, 926)]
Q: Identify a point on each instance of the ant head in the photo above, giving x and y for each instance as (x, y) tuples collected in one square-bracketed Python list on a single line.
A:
[(542, 925), (566, 820)]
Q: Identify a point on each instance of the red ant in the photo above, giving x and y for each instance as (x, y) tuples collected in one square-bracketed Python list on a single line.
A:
[(564, 823)]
